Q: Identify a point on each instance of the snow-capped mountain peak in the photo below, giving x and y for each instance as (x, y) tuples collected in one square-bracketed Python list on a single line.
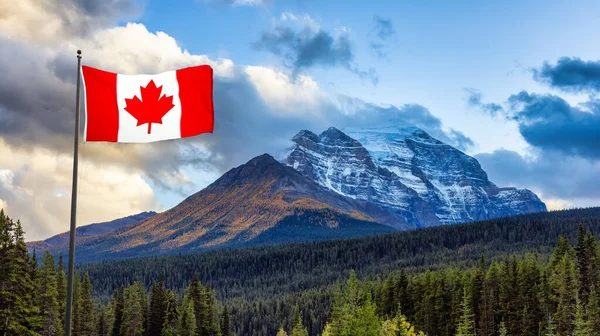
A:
[(405, 169)]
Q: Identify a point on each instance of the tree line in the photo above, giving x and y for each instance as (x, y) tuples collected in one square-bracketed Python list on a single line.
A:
[(519, 295), (33, 298), (265, 272), (551, 293)]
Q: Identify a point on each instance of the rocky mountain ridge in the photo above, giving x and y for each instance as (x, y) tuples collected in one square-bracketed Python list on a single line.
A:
[(404, 169)]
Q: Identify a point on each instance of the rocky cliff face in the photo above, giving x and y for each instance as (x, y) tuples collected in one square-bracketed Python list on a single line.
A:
[(420, 178)]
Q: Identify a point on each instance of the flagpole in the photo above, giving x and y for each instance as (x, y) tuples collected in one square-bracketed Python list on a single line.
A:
[(69, 305)]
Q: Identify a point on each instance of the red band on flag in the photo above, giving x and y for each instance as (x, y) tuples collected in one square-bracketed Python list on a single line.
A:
[(195, 93), (102, 111)]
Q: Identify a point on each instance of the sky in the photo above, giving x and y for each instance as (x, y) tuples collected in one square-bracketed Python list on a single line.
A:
[(514, 84)]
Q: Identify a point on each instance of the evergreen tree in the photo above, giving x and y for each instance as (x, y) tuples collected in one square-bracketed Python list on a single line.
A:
[(19, 313), (466, 325), (563, 247), (157, 310), (171, 315), (443, 309), (403, 294), (282, 332), (33, 267), (133, 314), (340, 316), (77, 314), (490, 306), (61, 286), (187, 318), (509, 296), (502, 331), (549, 328), (144, 307), (104, 320), (298, 328), (528, 284), (477, 290), (210, 324), (548, 301), (197, 294), (118, 312), (87, 316), (47, 298), (388, 297), (592, 250), (399, 326), (366, 321), (6, 268), (581, 326), (225, 323), (565, 314), (584, 261), (594, 312)]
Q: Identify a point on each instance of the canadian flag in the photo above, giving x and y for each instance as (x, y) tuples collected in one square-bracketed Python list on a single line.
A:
[(146, 108)]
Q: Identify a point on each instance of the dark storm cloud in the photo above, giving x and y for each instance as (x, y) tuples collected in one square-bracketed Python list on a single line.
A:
[(550, 123), (564, 138), (105, 8), (553, 174), (475, 99), (384, 32), (35, 105), (307, 48), (50, 20), (570, 75)]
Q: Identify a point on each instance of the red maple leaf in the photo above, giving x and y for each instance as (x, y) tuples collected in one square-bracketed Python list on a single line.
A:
[(152, 108)]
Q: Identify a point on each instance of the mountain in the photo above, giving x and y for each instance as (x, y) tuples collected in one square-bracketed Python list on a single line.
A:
[(407, 171), (260, 202), (61, 241), (332, 185)]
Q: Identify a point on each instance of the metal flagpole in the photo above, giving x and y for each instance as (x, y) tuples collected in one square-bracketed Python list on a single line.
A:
[(71, 271)]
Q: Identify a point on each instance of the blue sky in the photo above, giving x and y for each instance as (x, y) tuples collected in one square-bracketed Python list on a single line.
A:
[(438, 49), (516, 84)]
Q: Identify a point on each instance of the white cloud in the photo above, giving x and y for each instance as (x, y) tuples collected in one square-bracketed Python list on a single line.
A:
[(238, 3), (35, 180), (248, 2), (278, 90), (37, 185), (557, 204), (35, 158), (132, 49), (301, 20)]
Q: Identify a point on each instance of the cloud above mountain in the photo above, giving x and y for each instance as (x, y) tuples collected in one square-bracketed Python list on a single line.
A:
[(562, 181), (549, 122), (564, 157), (302, 44), (384, 33), (475, 99), (570, 75), (258, 109)]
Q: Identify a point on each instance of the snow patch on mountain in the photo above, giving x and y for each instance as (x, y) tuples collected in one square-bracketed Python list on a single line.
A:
[(406, 170)]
